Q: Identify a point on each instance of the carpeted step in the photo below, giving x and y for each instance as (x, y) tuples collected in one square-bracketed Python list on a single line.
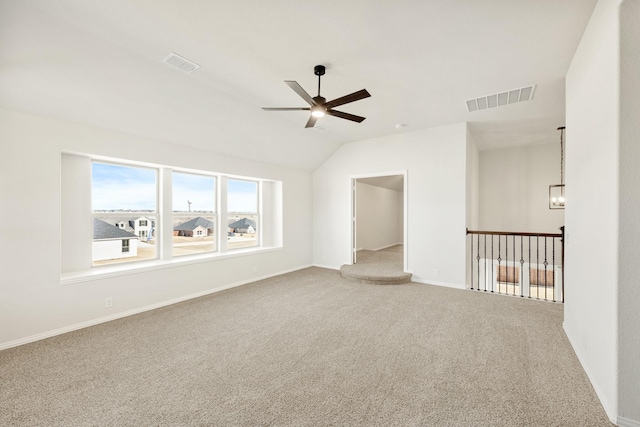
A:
[(373, 274)]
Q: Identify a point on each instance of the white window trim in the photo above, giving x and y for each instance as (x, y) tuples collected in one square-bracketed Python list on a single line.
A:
[(185, 215), (118, 270), (165, 259), (258, 214), (154, 216)]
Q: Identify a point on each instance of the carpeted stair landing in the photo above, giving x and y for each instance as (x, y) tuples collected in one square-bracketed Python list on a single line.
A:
[(383, 267)]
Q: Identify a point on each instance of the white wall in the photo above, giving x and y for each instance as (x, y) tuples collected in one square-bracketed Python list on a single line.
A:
[(473, 182), (591, 271), (629, 227), (435, 160), (473, 196), (514, 188), (34, 303), (378, 212)]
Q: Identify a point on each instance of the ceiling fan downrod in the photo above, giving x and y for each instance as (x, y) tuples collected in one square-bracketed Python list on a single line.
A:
[(319, 71)]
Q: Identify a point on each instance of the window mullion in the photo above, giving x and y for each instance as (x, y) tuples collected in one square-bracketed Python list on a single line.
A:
[(165, 242), (259, 216), (223, 214)]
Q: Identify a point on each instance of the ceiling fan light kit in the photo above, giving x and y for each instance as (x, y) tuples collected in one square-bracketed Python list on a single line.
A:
[(318, 111), (318, 105)]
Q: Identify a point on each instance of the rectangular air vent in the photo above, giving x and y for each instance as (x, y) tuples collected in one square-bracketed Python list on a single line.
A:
[(502, 98), (181, 63)]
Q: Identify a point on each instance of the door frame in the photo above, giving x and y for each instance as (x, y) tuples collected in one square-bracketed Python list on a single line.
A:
[(405, 212)]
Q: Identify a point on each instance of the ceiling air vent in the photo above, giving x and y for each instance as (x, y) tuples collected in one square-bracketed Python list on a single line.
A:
[(502, 98), (181, 63)]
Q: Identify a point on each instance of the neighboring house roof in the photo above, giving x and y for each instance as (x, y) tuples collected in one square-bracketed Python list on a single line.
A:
[(243, 223), (194, 223), (104, 230)]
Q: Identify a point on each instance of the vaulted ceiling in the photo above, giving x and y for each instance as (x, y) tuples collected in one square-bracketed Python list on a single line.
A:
[(101, 63)]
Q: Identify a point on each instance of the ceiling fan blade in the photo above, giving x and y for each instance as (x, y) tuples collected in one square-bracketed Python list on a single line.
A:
[(298, 89), (312, 121), (355, 96), (286, 109), (347, 116)]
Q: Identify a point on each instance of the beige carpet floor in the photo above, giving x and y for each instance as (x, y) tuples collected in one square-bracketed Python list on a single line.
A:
[(304, 349)]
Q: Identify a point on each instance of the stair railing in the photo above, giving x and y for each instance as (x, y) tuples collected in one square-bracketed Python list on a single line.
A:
[(528, 265)]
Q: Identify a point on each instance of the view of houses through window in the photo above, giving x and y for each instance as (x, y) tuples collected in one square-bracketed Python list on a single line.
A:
[(242, 213), (124, 205), (194, 208), (126, 213)]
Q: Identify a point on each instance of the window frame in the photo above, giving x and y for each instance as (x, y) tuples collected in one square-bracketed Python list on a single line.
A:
[(76, 263), (215, 214), (153, 216), (257, 214)]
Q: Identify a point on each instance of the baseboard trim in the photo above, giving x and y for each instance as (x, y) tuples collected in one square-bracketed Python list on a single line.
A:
[(611, 413), (120, 315), (432, 282), (626, 422), (385, 247), (329, 267)]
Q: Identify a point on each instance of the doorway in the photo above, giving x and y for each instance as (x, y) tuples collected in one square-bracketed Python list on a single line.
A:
[(379, 215)]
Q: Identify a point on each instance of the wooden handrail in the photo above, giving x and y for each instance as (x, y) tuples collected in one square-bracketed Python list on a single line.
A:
[(513, 233)]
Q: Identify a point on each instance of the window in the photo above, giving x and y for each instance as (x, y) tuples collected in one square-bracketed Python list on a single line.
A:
[(123, 199), (194, 213), (143, 212), (242, 213)]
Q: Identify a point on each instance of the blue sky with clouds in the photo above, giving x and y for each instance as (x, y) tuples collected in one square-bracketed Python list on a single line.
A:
[(117, 187), (200, 190)]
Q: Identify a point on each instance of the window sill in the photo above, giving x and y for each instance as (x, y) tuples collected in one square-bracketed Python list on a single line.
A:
[(105, 272)]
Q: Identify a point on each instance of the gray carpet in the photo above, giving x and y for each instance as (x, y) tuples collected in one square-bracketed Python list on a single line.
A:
[(383, 267), (309, 348)]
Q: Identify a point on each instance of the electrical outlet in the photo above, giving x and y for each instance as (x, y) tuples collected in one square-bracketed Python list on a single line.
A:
[(108, 302), (435, 272)]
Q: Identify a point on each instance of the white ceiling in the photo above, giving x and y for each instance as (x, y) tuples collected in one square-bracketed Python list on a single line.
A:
[(100, 62)]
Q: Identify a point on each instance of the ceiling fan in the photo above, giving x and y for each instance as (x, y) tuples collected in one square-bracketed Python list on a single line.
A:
[(319, 106)]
